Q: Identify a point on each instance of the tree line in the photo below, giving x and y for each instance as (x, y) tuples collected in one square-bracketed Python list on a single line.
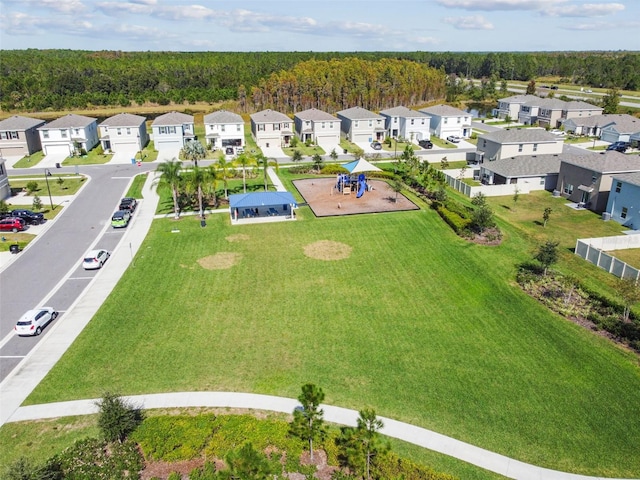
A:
[(37, 80)]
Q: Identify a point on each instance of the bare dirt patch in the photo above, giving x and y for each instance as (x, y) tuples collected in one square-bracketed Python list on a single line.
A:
[(161, 469), (324, 200), (239, 237), (327, 250), (220, 261)]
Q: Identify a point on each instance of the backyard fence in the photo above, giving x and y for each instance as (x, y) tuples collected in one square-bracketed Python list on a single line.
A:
[(455, 180), (594, 250)]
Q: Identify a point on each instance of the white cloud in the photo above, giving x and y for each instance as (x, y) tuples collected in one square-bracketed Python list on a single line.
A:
[(598, 26), (63, 6), (473, 22), (494, 5), (584, 10)]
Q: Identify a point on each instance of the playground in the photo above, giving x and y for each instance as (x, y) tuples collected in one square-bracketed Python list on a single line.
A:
[(325, 199)]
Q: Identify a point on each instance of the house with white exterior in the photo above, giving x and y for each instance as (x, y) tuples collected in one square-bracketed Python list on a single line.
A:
[(624, 199), (224, 129), (318, 127), (621, 129), (5, 188), (510, 106), (360, 125), (517, 142), (19, 136), (123, 132), (402, 122), (271, 129), (447, 121), (69, 135), (172, 130)]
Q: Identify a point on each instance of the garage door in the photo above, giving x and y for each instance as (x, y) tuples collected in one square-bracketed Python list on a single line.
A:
[(57, 150), (168, 144), (609, 137), (362, 137)]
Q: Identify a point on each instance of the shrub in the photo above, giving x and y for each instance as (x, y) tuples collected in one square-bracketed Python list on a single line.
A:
[(90, 458), (31, 186), (117, 417), (333, 169), (390, 466), (300, 169), (455, 221)]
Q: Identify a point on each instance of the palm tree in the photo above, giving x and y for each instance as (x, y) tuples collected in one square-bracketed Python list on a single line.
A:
[(194, 151), (171, 177), (264, 162), (244, 161), (212, 175), (224, 166), (196, 178)]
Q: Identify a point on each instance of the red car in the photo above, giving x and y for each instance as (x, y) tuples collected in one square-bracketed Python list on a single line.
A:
[(11, 224)]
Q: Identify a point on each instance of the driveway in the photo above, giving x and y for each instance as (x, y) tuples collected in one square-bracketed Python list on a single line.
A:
[(167, 154), (49, 161), (274, 152), (123, 157), (366, 146)]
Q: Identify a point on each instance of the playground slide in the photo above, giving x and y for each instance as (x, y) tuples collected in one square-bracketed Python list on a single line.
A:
[(361, 190)]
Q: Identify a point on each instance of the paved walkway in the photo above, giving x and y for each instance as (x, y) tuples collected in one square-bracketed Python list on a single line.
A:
[(277, 183)]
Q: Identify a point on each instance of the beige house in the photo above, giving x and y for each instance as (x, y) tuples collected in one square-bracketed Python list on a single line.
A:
[(510, 106), (19, 136), (318, 127), (586, 179), (517, 142), (361, 126), (271, 129), (579, 109)]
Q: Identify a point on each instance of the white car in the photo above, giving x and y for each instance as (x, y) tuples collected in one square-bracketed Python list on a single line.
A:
[(95, 259), (557, 132), (453, 139), (33, 321)]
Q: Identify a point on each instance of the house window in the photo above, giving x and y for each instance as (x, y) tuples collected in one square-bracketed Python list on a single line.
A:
[(624, 212), (119, 131), (307, 123), (261, 127), (128, 131), (445, 120), (520, 148), (45, 134), (594, 177), (167, 130), (422, 122), (395, 119), (412, 121), (276, 126), (618, 187), (76, 131), (568, 189), (484, 143), (9, 135), (63, 133), (371, 123), (2, 170), (222, 128), (459, 119), (237, 128), (535, 147), (355, 123), (323, 124)]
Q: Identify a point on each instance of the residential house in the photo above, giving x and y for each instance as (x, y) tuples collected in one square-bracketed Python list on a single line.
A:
[(447, 121), (123, 132), (586, 179), (19, 136), (579, 109), (69, 135), (402, 122), (621, 129), (550, 112), (318, 127), (624, 199), (589, 126), (5, 189), (510, 106), (359, 125), (517, 142), (528, 172), (224, 129), (172, 130), (271, 129)]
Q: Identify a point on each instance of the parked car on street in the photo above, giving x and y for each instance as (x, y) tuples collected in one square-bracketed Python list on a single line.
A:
[(558, 133), (29, 217), (453, 139), (128, 203), (95, 259), (120, 219), (376, 145), (619, 146), (425, 144), (34, 321), (11, 224)]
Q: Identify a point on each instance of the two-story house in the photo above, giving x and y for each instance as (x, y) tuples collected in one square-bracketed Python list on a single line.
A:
[(624, 199), (123, 133), (19, 136), (69, 135), (172, 130), (587, 179), (447, 121), (318, 127), (550, 112), (510, 106), (402, 122), (271, 129), (224, 129), (579, 109), (361, 126), (517, 142)]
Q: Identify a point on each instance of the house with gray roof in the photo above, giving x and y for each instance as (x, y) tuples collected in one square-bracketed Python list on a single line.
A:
[(624, 199), (621, 129), (318, 127), (550, 112), (586, 179), (402, 122), (447, 121), (171, 131), (579, 109), (271, 129), (123, 132), (510, 106), (19, 136), (516, 142), (69, 135), (224, 129), (528, 172), (361, 126)]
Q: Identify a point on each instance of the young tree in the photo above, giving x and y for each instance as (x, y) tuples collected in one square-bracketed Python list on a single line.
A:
[(308, 423), (223, 167), (195, 179), (504, 87), (37, 203), (545, 216), (358, 153), (531, 87), (508, 120), (117, 417), (479, 199), (244, 161), (318, 161), (361, 444), (247, 463), (171, 178), (263, 162), (547, 254), (60, 182), (630, 292), (31, 186), (396, 186), (611, 101), (297, 155), (516, 195), (334, 155), (444, 163), (482, 218)]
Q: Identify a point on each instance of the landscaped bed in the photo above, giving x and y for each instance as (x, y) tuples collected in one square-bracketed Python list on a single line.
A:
[(413, 321)]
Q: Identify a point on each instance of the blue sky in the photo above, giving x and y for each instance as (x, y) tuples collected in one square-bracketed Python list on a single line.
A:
[(321, 25)]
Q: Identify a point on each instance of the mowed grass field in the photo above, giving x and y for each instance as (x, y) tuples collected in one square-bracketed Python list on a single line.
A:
[(416, 323)]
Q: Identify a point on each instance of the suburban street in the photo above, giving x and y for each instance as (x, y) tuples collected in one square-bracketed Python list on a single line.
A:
[(49, 272)]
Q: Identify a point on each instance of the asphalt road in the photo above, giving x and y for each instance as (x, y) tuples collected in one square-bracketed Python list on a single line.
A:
[(49, 272)]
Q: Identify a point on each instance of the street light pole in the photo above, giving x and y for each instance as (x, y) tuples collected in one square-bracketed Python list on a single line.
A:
[(46, 179)]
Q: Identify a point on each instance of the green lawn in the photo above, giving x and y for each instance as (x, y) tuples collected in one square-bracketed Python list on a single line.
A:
[(30, 160), (417, 323), (69, 186), (135, 190), (94, 157)]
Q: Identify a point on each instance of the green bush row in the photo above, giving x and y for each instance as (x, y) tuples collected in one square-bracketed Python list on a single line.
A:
[(453, 219)]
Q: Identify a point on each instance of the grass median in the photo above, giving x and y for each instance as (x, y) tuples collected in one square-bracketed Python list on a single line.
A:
[(413, 321)]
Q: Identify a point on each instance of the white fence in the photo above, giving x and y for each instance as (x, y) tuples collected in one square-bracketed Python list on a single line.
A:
[(455, 181), (594, 250)]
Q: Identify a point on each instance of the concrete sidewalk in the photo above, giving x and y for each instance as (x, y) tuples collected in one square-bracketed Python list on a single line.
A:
[(277, 183), (418, 436), (27, 375)]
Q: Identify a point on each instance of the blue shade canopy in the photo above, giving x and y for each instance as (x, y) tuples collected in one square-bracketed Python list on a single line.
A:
[(261, 199), (361, 165)]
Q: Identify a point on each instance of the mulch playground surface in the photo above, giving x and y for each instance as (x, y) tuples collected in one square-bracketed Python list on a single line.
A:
[(325, 200)]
